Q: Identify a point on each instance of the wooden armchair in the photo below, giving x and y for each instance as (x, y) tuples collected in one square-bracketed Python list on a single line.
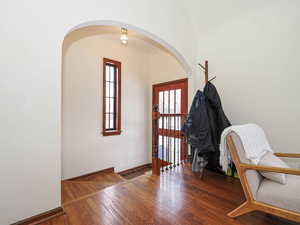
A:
[(263, 194)]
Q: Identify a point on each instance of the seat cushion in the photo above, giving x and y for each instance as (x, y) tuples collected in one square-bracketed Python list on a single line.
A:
[(270, 159), (286, 196), (254, 178)]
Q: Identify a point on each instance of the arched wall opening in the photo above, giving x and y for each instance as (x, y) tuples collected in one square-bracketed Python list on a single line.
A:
[(146, 60), (143, 34)]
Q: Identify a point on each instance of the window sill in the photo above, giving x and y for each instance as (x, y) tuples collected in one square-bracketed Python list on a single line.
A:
[(111, 133)]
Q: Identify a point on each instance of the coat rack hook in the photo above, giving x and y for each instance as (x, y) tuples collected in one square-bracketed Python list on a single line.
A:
[(212, 78), (205, 68)]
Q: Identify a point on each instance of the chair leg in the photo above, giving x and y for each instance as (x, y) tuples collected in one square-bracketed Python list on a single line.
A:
[(242, 209)]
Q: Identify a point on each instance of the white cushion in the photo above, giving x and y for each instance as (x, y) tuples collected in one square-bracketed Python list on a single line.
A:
[(269, 159), (283, 196)]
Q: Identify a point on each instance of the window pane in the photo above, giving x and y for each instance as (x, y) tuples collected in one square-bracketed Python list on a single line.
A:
[(106, 121), (112, 90), (107, 86), (107, 72), (107, 105), (111, 105), (115, 76), (112, 74), (111, 121)]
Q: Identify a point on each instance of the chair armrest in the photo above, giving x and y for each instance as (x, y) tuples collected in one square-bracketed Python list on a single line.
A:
[(288, 155), (270, 169)]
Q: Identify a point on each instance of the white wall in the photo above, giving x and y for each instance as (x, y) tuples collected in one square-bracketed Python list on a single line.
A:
[(32, 33), (84, 149), (254, 52)]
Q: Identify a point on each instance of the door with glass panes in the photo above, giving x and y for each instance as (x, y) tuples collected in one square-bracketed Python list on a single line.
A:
[(172, 99)]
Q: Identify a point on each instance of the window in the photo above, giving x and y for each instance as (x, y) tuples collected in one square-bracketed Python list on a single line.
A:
[(111, 97)]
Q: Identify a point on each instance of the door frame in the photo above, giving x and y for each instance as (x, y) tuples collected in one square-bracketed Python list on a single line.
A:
[(184, 95)]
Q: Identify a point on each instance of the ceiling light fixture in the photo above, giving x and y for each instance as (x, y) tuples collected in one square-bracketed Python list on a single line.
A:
[(124, 37)]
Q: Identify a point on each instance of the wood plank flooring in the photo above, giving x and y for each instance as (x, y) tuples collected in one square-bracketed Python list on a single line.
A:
[(83, 186), (132, 173), (177, 197)]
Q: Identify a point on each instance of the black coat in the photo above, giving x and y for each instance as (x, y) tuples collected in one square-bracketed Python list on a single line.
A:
[(196, 127), (217, 121), (205, 123)]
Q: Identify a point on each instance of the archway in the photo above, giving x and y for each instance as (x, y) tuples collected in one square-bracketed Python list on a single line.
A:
[(142, 31), (85, 156)]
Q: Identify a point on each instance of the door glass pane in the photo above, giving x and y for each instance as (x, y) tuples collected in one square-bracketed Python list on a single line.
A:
[(178, 101), (166, 122), (178, 122), (166, 101), (172, 123), (160, 147), (177, 149), (160, 123), (172, 101), (174, 150), (166, 148), (160, 101)]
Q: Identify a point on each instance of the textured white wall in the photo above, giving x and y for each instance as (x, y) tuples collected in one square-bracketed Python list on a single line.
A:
[(255, 55), (32, 34)]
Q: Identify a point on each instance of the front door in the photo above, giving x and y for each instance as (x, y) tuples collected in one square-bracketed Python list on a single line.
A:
[(172, 99)]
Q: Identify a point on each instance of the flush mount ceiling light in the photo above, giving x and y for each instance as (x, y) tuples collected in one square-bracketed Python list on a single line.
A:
[(124, 37)]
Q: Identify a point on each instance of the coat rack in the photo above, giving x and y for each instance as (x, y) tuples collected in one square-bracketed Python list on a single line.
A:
[(205, 68)]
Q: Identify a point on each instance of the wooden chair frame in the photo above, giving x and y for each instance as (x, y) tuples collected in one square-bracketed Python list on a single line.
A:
[(251, 204)]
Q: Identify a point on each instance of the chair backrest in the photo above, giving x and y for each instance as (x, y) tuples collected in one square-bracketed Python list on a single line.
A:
[(253, 177)]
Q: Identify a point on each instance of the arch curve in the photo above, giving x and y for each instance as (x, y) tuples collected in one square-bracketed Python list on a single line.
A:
[(181, 59)]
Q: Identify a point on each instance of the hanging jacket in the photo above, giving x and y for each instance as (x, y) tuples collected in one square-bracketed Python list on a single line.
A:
[(217, 122), (196, 128), (204, 125)]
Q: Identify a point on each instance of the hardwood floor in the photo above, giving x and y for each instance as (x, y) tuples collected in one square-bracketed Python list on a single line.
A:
[(177, 197), (84, 186), (136, 172), (62, 220)]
